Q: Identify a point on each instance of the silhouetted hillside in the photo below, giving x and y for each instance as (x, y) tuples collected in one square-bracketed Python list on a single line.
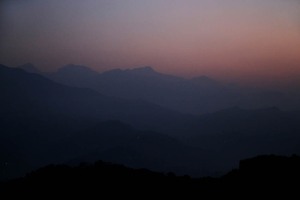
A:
[(36, 113), (46, 122), (32, 94), (263, 175), (120, 143), (237, 133)]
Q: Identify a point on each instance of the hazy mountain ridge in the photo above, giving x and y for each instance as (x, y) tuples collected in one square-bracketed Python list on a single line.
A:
[(74, 75), (197, 95), (37, 91)]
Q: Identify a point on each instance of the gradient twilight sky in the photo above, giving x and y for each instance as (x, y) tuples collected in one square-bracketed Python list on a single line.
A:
[(249, 40)]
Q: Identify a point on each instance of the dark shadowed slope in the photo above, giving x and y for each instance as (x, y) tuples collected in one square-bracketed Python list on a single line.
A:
[(270, 120), (33, 94), (237, 133), (35, 111), (120, 143), (192, 96), (114, 141)]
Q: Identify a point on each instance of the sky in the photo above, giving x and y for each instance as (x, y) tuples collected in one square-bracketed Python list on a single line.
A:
[(244, 40)]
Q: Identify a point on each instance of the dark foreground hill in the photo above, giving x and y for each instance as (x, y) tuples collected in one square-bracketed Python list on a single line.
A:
[(263, 175)]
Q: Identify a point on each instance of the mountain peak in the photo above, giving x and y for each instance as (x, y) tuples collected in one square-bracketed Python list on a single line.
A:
[(29, 67), (72, 68), (145, 69)]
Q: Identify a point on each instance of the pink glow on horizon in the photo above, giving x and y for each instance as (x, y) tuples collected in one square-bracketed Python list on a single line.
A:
[(250, 41)]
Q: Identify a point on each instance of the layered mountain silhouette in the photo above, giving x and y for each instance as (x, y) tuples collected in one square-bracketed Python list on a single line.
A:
[(197, 96), (40, 119), (238, 133), (43, 121), (34, 94), (119, 143)]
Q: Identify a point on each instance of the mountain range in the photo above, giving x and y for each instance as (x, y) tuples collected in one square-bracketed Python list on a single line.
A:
[(37, 115), (198, 95), (43, 121)]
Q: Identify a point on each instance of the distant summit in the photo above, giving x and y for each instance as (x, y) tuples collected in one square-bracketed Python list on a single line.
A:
[(74, 69), (145, 69), (29, 67), (75, 75)]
